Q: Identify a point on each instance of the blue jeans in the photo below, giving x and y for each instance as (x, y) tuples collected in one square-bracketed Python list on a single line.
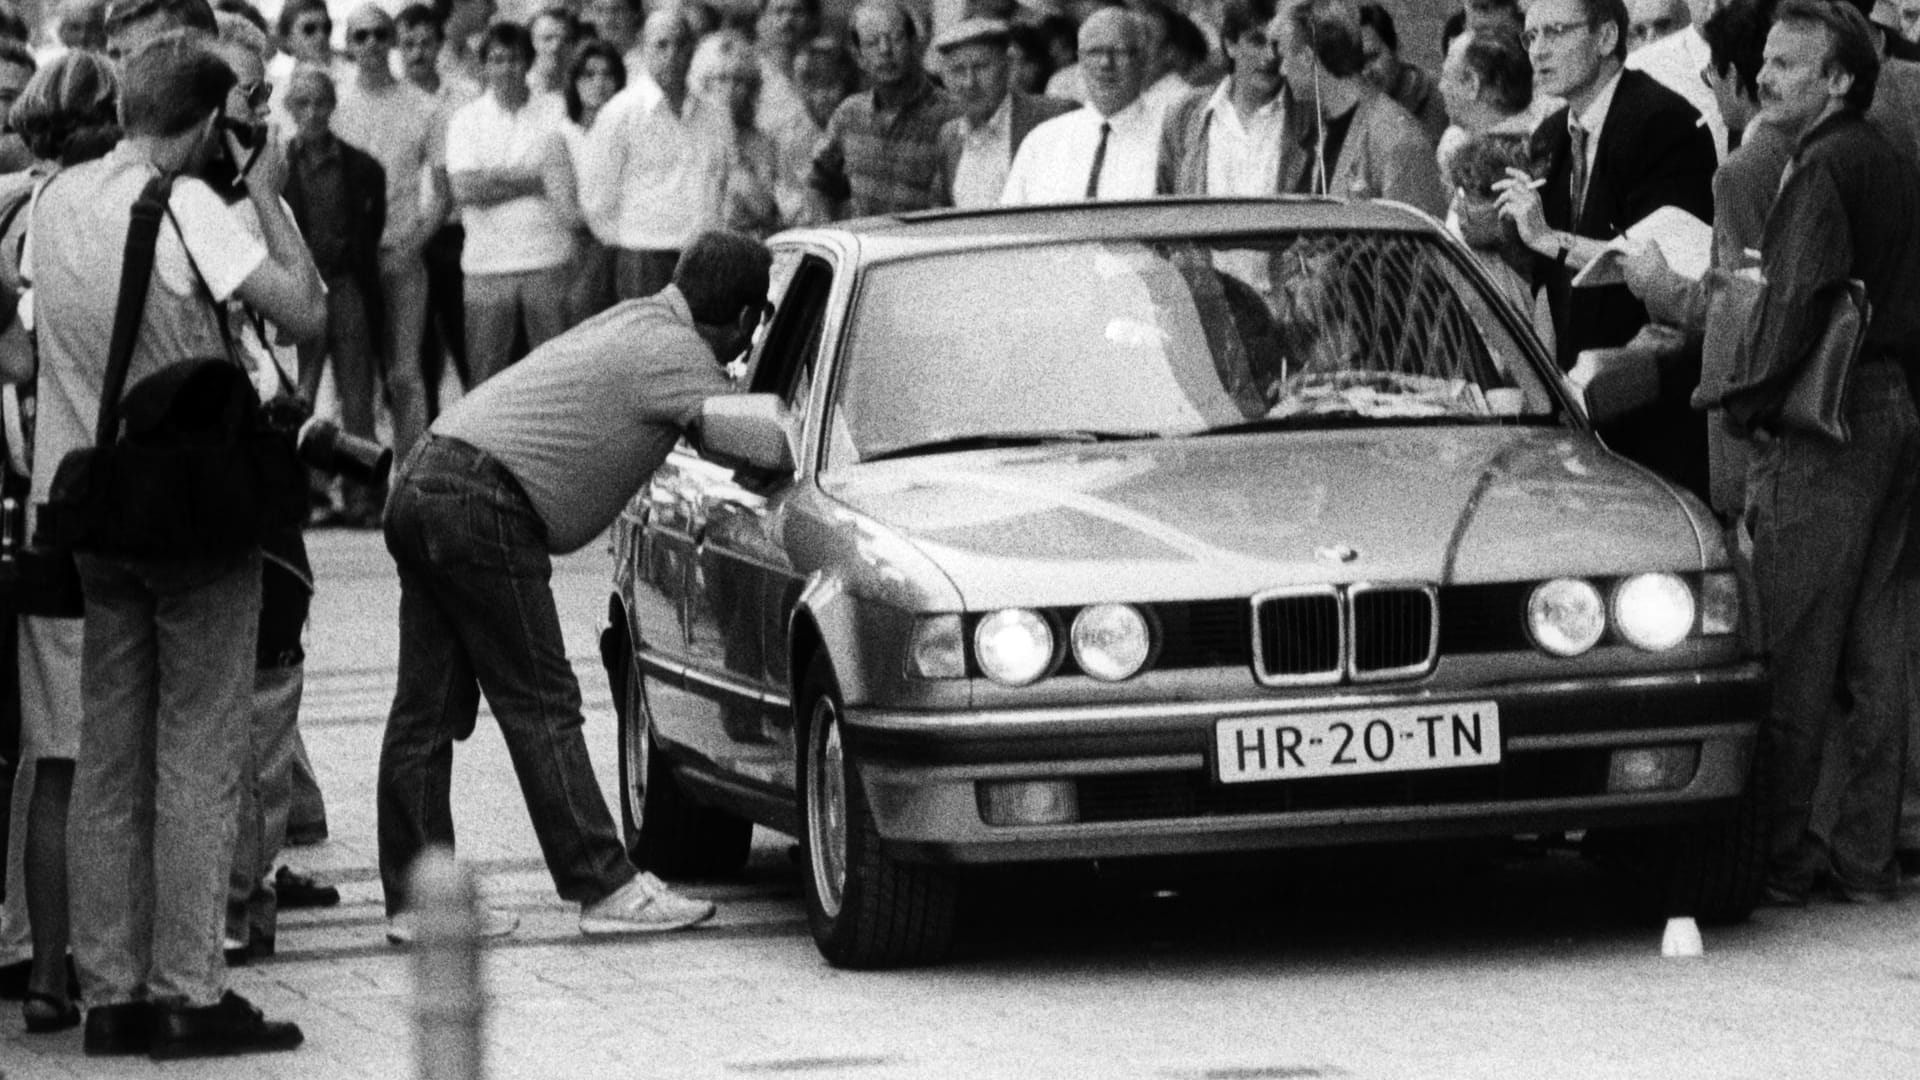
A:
[(477, 615), (168, 661), (1829, 526)]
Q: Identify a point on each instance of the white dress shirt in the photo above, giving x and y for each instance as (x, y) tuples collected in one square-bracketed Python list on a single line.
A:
[(650, 179), (1056, 159), (1593, 119), (986, 154), (523, 234), (1675, 62), (1243, 158)]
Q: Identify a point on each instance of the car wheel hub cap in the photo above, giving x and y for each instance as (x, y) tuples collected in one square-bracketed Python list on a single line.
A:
[(827, 808)]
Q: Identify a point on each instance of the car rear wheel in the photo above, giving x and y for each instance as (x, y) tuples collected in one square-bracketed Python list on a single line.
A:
[(666, 831), (866, 909)]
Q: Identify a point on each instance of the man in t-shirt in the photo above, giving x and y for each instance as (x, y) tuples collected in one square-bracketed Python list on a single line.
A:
[(168, 661), (401, 126), (539, 461), (512, 178)]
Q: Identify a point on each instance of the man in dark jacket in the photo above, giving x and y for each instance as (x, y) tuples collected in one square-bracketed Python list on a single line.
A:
[(1830, 519), (977, 147), (339, 198)]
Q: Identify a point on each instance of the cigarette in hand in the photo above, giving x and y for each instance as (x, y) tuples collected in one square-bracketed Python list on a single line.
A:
[(1532, 185)]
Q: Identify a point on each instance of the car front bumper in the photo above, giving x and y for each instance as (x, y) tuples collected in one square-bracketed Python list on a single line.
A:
[(1144, 778)]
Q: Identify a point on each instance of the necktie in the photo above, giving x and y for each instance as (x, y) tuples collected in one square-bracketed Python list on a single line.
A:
[(1099, 159), (1577, 185)]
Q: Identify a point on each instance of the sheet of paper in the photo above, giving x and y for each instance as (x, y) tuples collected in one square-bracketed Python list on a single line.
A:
[(1684, 240)]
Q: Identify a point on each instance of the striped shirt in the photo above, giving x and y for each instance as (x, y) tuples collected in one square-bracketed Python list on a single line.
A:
[(881, 154)]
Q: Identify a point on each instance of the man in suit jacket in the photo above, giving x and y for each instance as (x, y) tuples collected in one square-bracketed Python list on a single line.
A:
[(1226, 141), (977, 147), (1372, 147), (1641, 147)]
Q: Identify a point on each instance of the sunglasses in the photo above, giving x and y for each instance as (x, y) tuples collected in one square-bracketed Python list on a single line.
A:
[(313, 29), (257, 94), (377, 34)]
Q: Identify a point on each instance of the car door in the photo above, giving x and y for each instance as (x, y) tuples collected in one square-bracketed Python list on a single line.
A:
[(743, 584)]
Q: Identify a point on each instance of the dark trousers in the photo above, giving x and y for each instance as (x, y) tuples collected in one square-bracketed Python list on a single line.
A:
[(446, 331), (638, 274), (477, 616), (1829, 526)]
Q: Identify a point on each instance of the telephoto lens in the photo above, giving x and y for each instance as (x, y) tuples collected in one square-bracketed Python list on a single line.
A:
[(324, 446)]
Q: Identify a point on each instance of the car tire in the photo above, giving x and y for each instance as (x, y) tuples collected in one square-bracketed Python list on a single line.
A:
[(666, 831), (1711, 870), (866, 909)]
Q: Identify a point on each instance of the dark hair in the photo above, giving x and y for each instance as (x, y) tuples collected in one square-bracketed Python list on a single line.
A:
[(507, 35), (827, 51), (12, 26), (723, 274), (1333, 37), (15, 53), (577, 66), (170, 84), (1849, 43), (1736, 36), (1031, 41), (1239, 16), (1499, 60), (1187, 41), (244, 10), (1602, 12), (1382, 22), (185, 14), (69, 110), (812, 6), (1455, 25), (290, 14), (421, 15)]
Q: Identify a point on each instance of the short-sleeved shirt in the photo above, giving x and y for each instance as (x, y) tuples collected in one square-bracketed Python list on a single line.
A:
[(884, 152), (401, 126), (73, 258), (585, 419), (651, 178), (522, 234)]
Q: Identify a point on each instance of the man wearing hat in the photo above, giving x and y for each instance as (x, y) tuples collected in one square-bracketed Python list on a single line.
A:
[(977, 147)]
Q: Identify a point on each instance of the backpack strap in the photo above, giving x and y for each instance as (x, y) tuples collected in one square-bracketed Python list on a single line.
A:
[(136, 275)]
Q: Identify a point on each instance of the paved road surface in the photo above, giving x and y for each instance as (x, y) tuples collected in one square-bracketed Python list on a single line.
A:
[(1498, 964)]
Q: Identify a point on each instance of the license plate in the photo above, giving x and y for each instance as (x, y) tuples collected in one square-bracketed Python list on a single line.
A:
[(1354, 741)]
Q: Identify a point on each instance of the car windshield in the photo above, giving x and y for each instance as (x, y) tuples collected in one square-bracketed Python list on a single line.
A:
[(1143, 339)]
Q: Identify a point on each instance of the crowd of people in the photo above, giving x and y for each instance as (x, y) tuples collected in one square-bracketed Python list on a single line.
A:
[(438, 189)]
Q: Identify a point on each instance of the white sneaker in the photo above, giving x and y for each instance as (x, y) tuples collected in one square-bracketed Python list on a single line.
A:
[(402, 929), (641, 906)]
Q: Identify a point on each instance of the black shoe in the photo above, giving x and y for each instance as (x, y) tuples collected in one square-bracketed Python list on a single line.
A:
[(117, 1030), (1909, 863), (234, 1026), (257, 947), (13, 980), (295, 890)]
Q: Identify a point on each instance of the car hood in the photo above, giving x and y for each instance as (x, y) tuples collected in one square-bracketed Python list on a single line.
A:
[(1229, 515)]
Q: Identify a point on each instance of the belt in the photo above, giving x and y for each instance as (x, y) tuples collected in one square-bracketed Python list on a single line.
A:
[(476, 461)]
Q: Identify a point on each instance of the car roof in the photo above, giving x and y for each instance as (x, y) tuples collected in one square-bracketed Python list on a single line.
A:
[(935, 231)]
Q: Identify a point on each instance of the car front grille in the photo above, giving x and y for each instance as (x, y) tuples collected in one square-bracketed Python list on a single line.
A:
[(1151, 796), (1315, 635)]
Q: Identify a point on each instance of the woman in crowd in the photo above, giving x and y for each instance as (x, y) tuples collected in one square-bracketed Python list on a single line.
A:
[(554, 30), (725, 82), (595, 74), (66, 114)]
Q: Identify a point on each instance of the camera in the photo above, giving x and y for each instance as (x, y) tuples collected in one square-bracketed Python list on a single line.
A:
[(323, 446)]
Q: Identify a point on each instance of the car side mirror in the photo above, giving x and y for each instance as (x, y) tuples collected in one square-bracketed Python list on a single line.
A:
[(748, 431)]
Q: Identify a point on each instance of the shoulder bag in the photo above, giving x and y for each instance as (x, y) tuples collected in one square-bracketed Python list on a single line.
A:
[(185, 464)]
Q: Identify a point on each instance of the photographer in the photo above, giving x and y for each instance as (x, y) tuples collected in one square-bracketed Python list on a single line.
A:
[(168, 657)]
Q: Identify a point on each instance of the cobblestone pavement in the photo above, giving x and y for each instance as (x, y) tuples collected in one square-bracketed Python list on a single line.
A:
[(1509, 964)]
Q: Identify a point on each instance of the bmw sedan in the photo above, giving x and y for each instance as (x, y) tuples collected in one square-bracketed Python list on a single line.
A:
[(1190, 526)]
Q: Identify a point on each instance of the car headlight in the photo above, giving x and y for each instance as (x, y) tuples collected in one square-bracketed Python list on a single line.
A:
[(1015, 646), (1110, 641), (936, 650), (1565, 616), (1653, 611)]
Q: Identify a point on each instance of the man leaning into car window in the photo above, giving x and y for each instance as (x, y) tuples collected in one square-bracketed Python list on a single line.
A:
[(538, 461)]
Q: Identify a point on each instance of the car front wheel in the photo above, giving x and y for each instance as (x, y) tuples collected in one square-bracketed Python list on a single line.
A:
[(667, 832), (866, 909)]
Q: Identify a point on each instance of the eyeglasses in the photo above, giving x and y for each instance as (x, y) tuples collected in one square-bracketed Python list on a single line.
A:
[(378, 35), (1552, 33), (257, 94), (313, 28)]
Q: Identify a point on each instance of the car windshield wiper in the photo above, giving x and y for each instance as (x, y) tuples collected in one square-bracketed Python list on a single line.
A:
[(996, 439)]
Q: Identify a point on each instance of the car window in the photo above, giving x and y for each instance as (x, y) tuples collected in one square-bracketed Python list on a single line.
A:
[(1134, 339), (793, 337)]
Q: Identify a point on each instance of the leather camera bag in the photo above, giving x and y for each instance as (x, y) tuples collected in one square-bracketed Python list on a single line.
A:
[(184, 463)]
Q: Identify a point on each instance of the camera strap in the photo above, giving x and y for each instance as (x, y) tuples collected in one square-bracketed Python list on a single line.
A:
[(220, 316), (136, 275)]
